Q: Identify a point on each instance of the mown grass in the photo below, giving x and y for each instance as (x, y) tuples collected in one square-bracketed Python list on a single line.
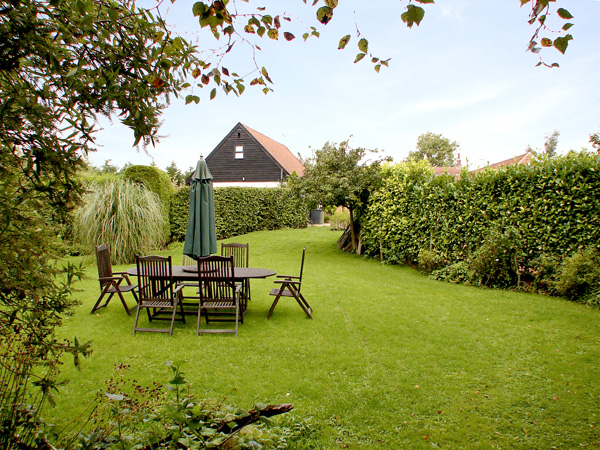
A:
[(392, 359)]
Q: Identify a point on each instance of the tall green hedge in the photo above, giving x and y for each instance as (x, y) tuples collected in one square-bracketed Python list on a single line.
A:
[(552, 203), (241, 210)]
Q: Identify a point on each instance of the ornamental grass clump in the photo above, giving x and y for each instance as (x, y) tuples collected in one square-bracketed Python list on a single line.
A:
[(126, 216)]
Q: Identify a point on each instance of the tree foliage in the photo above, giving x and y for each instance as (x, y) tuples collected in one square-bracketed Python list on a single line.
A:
[(435, 148), (551, 143), (177, 178), (246, 23), (595, 141), (338, 175), (63, 63)]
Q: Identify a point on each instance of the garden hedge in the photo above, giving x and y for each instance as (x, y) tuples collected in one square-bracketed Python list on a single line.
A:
[(552, 203), (241, 210)]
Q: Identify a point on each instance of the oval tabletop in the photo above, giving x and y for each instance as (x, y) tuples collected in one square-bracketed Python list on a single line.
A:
[(191, 272)]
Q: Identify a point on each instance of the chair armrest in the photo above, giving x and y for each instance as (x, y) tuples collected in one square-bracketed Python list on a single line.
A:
[(296, 283), (110, 279), (123, 275), (178, 288), (287, 276)]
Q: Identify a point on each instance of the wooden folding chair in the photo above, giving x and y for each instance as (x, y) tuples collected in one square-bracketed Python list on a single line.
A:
[(241, 258), (158, 294), (110, 282), (219, 293), (190, 301), (289, 286)]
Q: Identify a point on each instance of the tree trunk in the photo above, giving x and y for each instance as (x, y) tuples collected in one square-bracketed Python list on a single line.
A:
[(352, 231)]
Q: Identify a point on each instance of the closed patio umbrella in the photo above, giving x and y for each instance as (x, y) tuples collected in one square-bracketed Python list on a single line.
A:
[(201, 234)]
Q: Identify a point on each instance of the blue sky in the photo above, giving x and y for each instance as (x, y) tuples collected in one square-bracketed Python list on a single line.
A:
[(463, 72)]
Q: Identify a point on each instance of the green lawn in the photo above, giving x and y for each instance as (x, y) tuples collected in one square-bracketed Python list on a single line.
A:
[(391, 359)]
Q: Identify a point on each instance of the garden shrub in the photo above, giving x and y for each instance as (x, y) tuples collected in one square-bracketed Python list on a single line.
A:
[(129, 415), (126, 216), (156, 181), (339, 220), (579, 275), (541, 273), (457, 273), (179, 213), (495, 263), (430, 260)]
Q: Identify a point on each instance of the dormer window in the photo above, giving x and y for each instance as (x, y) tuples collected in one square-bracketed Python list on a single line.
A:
[(239, 152)]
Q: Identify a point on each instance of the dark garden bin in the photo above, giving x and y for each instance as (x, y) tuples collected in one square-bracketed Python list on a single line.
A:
[(316, 216)]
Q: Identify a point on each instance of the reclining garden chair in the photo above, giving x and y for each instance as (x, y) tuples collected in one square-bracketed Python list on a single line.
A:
[(289, 286), (110, 282)]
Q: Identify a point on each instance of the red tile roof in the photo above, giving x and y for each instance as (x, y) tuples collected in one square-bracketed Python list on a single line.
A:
[(525, 158), (452, 171), (521, 159), (278, 151)]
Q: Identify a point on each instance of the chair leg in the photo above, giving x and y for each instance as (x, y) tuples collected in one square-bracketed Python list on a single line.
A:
[(303, 304), (182, 311), (281, 289), (297, 295), (120, 294), (104, 292), (198, 322), (237, 314), (137, 316), (173, 320)]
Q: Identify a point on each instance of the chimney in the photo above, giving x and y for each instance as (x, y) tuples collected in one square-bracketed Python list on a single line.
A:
[(458, 160)]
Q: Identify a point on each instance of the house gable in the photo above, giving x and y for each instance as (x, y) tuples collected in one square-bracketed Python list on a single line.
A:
[(247, 156)]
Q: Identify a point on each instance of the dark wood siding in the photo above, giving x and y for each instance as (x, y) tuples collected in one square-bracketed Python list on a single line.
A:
[(257, 164)]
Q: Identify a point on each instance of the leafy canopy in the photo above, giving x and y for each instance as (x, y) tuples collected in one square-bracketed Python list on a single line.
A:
[(338, 175), (248, 22), (63, 63), (438, 150)]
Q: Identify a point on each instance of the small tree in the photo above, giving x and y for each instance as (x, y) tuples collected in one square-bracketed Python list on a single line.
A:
[(338, 175), (175, 174), (438, 150), (551, 143), (595, 141)]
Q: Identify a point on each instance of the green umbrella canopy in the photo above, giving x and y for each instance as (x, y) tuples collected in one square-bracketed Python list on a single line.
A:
[(201, 234)]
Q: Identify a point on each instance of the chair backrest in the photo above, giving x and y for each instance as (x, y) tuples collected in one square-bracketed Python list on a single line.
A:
[(217, 278), (301, 268), (104, 265), (188, 261), (155, 278), (240, 253)]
